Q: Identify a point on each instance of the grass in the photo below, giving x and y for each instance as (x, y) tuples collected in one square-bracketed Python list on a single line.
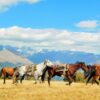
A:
[(57, 91)]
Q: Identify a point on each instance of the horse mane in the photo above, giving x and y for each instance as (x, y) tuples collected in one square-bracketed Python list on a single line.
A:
[(80, 62), (89, 66), (15, 68)]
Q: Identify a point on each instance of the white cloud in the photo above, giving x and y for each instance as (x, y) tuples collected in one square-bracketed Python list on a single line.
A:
[(51, 39), (87, 24), (31, 1), (5, 4)]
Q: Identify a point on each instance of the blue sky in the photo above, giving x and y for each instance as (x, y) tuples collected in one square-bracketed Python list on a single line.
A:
[(63, 14), (78, 18)]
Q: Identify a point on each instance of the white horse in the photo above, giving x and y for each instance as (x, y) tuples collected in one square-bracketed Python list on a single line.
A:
[(39, 70), (22, 71)]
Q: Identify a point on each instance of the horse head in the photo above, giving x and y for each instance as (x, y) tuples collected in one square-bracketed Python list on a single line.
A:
[(83, 66), (48, 63), (91, 70), (87, 73)]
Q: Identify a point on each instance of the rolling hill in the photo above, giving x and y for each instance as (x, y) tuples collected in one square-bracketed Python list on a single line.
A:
[(9, 58)]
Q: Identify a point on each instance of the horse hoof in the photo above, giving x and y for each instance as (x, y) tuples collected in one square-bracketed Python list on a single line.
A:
[(66, 84), (35, 82)]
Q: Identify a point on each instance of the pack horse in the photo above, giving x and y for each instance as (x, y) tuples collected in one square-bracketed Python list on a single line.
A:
[(36, 71)]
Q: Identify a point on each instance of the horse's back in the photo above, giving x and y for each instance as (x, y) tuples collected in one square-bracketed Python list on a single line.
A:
[(97, 68), (8, 70)]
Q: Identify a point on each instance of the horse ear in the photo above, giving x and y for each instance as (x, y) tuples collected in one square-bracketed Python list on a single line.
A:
[(77, 62), (45, 61), (83, 63)]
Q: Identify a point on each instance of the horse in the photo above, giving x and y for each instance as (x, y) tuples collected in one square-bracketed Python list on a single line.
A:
[(36, 71), (94, 73), (67, 71), (39, 70), (20, 73), (7, 71)]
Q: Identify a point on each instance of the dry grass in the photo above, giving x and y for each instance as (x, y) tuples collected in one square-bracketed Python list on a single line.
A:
[(57, 91)]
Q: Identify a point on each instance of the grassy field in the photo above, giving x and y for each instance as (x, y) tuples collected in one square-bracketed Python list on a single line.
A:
[(57, 91)]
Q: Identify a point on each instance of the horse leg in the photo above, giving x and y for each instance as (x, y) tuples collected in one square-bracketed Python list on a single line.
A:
[(70, 80), (93, 81), (99, 78), (16, 76), (14, 79), (89, 79), (49, 78), (40, 79), (22, 78), (35, 78), (96, 80), (74, 78), (5, 75), (4, 79)]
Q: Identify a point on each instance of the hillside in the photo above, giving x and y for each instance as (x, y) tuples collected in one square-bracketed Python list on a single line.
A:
[(7, 56)]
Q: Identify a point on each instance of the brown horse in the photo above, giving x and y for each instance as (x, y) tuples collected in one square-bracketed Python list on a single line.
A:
[(94, 73), (7, 71), (67, 71)]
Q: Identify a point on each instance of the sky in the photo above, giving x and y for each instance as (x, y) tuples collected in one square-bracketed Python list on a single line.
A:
[(51, 24)]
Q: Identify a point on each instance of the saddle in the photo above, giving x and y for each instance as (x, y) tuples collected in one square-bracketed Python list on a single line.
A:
[(31, 69), (63, 67)]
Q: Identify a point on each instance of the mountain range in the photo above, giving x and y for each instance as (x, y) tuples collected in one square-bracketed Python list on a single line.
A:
[(15, 55), (65, 57)]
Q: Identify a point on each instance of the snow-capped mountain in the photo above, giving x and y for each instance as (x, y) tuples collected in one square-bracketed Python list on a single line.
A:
[(64, 56)]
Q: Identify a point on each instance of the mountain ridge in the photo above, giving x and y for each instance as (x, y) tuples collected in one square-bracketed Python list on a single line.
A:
[(11, 57), (63, 56)]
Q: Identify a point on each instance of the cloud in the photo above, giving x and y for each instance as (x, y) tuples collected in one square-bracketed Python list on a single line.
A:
[(5, 4), (51, 39), (87, 24)]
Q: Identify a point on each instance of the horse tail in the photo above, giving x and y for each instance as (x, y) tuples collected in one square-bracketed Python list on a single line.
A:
[(15, 68), (44, 73), (1, 72)]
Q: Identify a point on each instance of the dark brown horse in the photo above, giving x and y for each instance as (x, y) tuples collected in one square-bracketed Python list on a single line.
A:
[(67, 71), (7, 71), (93, 73)]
